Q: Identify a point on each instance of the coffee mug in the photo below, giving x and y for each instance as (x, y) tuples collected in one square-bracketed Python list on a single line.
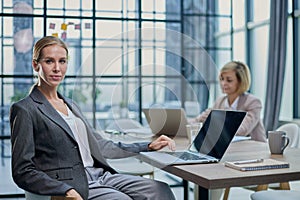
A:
[(278, 141)]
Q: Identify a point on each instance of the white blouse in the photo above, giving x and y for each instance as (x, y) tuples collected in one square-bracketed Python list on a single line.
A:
[(79, 131), (233, 106)]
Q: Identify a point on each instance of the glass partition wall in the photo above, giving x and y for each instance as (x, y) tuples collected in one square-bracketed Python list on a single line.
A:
[(125, 55), (122, 53)]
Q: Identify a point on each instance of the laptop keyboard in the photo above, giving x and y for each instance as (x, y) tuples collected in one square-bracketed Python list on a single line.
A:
[(187, 156)]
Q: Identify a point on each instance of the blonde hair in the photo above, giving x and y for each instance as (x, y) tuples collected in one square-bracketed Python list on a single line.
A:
[(242, 73), (44, 42)]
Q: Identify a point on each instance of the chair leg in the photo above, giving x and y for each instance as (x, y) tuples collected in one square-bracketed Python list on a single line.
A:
[(226, 193), (262, 187), (285, 186)]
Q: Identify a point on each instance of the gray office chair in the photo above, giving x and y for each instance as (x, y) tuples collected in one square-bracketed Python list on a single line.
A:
[(276, 195), (292, 131), (32, 196), (131, 165), (123, 124)]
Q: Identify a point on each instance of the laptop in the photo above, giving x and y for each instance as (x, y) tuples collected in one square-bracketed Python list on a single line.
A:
[(209, 145), (166, 121)]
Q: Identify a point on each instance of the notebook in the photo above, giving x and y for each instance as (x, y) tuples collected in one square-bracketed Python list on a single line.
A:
[(209, 145), (168, 121), (259, 164)]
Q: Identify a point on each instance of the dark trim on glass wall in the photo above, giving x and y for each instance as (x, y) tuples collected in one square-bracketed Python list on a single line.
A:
[(87, 17), (249, 34), (231, 29), (296, 74), (248, 42), (182, 65), (45, 17), (94, 65), (2, 135), (139, 59)]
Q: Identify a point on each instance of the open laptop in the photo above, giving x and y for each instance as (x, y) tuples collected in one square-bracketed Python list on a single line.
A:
[(211, 142), (168, 121)]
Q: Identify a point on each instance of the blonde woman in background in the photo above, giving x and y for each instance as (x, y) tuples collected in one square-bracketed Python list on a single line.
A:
[(235, 81)]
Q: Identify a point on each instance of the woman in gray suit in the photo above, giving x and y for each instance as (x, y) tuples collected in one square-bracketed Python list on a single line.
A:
[(56, 152), (235, 81)]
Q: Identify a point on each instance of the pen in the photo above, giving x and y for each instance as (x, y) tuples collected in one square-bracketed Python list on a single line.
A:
[(248, 161)]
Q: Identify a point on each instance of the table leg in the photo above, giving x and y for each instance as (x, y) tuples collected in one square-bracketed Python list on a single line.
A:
[(203, 193), (185, 189)]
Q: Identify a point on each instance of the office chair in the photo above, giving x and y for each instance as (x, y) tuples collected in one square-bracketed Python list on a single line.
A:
[(32, 196), (276, 195), (292, 131), (130, 165)]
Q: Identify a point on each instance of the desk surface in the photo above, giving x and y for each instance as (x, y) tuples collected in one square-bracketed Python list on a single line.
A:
[(213, 176)]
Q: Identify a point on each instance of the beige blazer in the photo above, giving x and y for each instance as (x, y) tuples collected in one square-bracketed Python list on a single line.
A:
[(252, 124)]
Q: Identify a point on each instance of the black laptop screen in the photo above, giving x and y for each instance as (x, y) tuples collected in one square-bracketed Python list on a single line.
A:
[(217, 132)]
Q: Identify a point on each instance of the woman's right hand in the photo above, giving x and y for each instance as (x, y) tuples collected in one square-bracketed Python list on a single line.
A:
[(73, 193)]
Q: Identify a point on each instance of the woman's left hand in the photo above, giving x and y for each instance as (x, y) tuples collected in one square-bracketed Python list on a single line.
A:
[(161, 142)]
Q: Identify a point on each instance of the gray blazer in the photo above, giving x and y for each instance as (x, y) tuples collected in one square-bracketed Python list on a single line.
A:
[(45, 155)]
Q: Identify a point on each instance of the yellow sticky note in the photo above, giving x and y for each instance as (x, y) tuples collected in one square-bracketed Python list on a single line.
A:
[(64, 26), (55, 34)]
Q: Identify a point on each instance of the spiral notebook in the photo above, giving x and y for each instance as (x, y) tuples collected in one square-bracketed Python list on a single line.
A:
[(252, 166)]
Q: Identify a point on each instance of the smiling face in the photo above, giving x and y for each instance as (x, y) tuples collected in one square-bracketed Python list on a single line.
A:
[(229, 82), (52, 66)]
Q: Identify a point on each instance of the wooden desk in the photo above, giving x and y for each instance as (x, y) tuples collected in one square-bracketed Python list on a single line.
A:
[(213, 176)]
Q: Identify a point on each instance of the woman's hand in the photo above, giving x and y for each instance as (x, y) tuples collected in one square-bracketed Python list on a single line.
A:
[(161, 142), (73, 193)]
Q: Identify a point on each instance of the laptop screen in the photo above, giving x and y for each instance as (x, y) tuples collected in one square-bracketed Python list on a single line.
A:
[(217, 132), (168, 121)]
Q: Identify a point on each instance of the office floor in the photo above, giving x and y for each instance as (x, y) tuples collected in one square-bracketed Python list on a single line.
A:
[(236, 193)]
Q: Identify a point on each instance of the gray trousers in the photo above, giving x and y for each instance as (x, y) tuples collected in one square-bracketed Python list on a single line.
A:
[(125, 187)]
